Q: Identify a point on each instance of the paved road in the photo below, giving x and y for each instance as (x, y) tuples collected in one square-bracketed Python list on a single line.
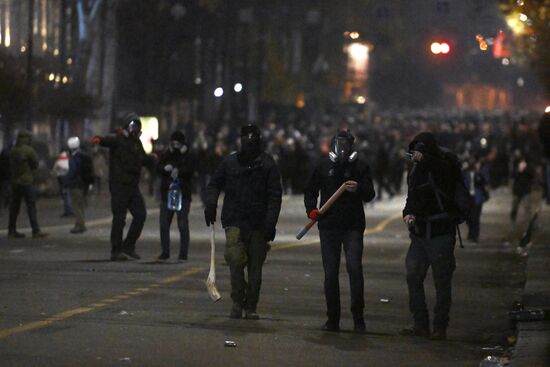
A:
[(64, 304)]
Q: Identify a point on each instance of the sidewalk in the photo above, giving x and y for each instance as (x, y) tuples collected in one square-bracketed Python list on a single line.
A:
[(533, 345)]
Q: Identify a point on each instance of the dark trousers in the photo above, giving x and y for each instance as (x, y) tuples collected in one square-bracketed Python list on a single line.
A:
[(165, 219), (473, 222), (18, 193), (437, 252), (331, 246), (245, 249), (124, 199), (78, 201)]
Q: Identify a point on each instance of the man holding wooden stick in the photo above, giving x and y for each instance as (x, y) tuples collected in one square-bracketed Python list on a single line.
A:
[(342, 224), (252, 184)]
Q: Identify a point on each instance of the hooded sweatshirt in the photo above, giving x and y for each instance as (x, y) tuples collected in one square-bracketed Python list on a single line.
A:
[(23, 160), (421, 198)]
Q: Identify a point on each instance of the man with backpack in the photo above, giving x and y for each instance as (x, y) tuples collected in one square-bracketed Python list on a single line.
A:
[(77, 181), (432, 211)]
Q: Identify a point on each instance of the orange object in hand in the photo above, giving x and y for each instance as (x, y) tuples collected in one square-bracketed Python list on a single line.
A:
[(95, 140), (314, 214)]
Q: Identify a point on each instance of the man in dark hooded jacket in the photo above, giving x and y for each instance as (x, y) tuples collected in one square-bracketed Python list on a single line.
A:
[(23, 162), (251, 181), (125, 161), (428, 214)]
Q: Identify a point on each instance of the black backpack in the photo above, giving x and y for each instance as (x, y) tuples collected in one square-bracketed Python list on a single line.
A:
[(87, 169)]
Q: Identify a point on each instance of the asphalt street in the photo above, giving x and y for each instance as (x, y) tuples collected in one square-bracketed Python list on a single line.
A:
[(63, 303)]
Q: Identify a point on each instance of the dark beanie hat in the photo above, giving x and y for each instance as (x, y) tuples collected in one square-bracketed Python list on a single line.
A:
[(178, 136)]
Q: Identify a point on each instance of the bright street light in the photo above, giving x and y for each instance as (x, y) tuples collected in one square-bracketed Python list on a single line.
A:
[(218, 92), (238, 87)]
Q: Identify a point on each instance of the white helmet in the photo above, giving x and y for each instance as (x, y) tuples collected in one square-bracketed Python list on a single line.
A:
[(73, 142)]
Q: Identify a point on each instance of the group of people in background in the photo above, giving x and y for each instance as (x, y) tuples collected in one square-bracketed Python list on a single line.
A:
[(277, 160)]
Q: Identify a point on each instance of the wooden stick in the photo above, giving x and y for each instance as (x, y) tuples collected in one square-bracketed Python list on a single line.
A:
[(211, 280), (323, 209)]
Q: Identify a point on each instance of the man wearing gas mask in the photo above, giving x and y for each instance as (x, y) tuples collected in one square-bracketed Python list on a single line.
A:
[(125, 161), (251, 181), (175, 163), (342, 225)]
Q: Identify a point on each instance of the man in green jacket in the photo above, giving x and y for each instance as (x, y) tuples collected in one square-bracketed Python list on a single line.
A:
[(23, 161)]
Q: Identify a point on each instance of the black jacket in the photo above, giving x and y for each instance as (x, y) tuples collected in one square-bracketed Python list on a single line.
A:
[(185, 163), (347, 212), (73, 178), (252, 192), (126, 159), (421, 198)]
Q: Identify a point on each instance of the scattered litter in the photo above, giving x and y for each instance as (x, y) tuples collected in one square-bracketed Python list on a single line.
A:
[(495, 348), (490, 361), (122, 313), (384, 300), (125, 359), (307, 275), (17, 251), (286, 289), (230, 344), (98, 358)]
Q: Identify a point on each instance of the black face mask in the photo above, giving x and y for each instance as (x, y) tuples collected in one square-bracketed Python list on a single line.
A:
[(251, 146)]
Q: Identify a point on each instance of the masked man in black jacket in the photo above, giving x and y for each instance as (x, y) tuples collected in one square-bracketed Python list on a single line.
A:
[(343, 224), (176, 163), (125, 161), (428, 213), (251, 181)]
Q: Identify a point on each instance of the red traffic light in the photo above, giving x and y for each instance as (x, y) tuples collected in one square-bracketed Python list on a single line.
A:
[(440, 48)]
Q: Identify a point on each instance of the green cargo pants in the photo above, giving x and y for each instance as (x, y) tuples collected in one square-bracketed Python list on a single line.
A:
[(245, 249)]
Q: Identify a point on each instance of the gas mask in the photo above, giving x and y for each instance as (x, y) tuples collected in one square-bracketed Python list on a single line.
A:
[(133, 129), (341, 148), (177, 146)]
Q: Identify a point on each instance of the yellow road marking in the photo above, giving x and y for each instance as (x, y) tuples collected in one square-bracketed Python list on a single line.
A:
[(92, 307), (377, 229), (169, 280)]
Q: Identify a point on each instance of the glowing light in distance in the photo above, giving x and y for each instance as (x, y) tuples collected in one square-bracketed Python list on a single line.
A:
[(218, 92), (238, 87), (523, 17), (505, 61), (51, 77), (547, 109), (354, 35), (361, 100)]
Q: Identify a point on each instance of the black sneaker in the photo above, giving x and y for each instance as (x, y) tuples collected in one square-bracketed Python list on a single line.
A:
[(78, 230), (439, 334), (236, 311), (359, 326), (251, 315), (39, 234), (16, 235), (131, 254), (118, 256), (163, 257), (415, 331), (330, 326), (182, 257)]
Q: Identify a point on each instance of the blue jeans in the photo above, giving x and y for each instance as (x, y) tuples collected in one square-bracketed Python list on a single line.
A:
[(165, 219), (331, 248)]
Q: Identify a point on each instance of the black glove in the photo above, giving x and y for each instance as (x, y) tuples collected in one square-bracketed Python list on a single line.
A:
[(210, 215), (269, 234)]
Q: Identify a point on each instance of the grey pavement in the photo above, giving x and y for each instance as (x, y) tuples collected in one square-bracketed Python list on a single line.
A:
[(64, 304)]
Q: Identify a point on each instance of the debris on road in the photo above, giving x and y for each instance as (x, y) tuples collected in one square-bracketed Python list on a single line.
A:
[(384, 300), (230, 344)]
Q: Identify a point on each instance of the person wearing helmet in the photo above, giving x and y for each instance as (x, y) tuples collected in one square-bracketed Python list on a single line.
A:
[(23, 162), (341, 225), (251, 181), (175, 162), (125, 161), (74, 182)]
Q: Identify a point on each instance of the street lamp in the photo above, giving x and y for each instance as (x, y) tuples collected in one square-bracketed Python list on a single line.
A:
[(218, 92), (238, 87)]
